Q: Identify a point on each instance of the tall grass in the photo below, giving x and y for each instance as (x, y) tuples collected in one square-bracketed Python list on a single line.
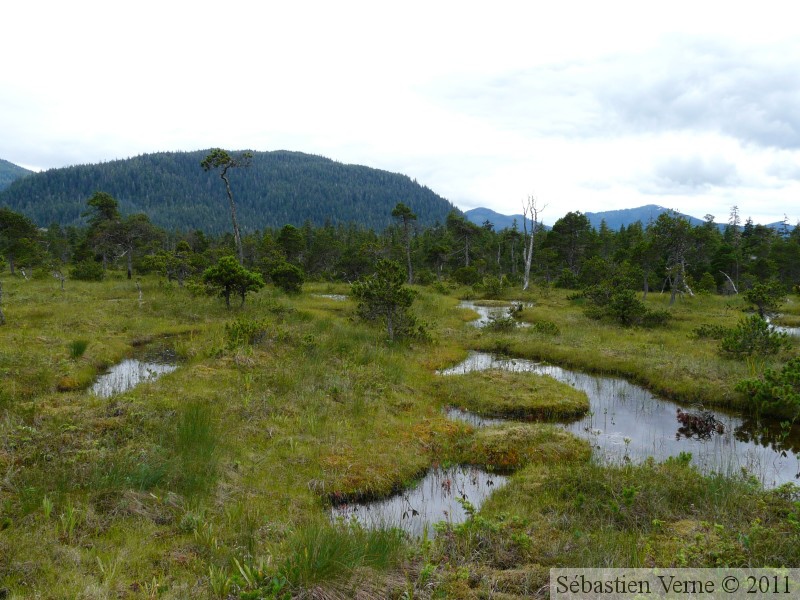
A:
[(197, 447), (321, 553), (77, 348)]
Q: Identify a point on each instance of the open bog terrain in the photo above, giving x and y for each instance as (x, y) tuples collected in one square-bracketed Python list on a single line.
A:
[(217, 477)]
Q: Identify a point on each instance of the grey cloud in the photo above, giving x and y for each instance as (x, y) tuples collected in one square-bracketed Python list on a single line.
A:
[(786, 170), (681, 84), (682, 175), (752, 96)]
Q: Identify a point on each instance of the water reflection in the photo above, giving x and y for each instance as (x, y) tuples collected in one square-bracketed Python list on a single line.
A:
[(627, 422), (435, 498), (127, 374)]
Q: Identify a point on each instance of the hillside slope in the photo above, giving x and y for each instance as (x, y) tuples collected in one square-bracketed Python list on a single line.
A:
[(9, 172), (277, 188)]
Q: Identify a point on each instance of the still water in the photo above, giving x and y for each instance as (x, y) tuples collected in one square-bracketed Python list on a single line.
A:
[(127, 374), (435, 498), (628, 423)]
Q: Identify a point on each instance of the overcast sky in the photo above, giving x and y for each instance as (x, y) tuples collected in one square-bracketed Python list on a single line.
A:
[(587, 106)]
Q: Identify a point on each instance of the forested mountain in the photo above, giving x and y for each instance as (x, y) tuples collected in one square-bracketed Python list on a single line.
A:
[(627, 216), (614, 218), (277, 188), (480, 215), (10, 172)]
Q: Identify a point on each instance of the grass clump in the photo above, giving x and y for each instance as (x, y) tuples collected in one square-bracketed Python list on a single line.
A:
[(77, 348), (340, 557), (587, 515), (500, 393), (508, 447), (197, 446)]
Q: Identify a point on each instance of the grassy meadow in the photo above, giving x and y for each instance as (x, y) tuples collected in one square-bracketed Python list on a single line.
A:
[(216, 480)]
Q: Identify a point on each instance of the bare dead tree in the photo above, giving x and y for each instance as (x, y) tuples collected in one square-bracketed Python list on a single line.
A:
[(60, 276), (531, 211)]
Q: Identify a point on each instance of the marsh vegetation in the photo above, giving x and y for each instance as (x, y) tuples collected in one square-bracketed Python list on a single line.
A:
[(219, 478), (451, 439)]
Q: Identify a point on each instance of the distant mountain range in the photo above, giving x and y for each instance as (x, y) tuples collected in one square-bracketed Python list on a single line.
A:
[(278, 188), (615, 219), (9, 172)]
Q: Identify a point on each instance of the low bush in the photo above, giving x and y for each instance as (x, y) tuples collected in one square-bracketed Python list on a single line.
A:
[(753, 336), (87, 270)]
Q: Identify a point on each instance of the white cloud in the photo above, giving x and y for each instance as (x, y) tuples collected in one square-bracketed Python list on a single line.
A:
[(588, 105)]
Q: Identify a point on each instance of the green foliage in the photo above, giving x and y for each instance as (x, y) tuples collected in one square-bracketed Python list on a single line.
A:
[(77, 348), (175, 194), (493, 286), (329, 554), (87, 270), (708, 331), (501, 323), (753, 336), (707, 284), (10, 172), (197, 446), (567, 280), (384, 296), (765, 296), (545, 328), (467, 275), (243, 331), (622, 306), (288, 277), (228, 277), (776, 391)]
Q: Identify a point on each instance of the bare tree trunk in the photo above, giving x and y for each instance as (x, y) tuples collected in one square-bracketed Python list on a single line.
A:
[(733, 285), (236, 236), (529, 208), (645, 285), (2, 316), (407, 235)]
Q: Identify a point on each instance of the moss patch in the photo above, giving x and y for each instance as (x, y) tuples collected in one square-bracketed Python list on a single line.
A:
[(499, 393), (509, 447)]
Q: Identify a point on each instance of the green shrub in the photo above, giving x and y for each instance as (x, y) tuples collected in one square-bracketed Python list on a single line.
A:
[(244, 332), (467, 275), (607, 300), (546, 328), (753, 336), (228, 277), (501, 323), (383, 296), (707, 284), (288, 277), (87, 270), (567, 280), (492, 286), (776, 391), (709, 332)]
